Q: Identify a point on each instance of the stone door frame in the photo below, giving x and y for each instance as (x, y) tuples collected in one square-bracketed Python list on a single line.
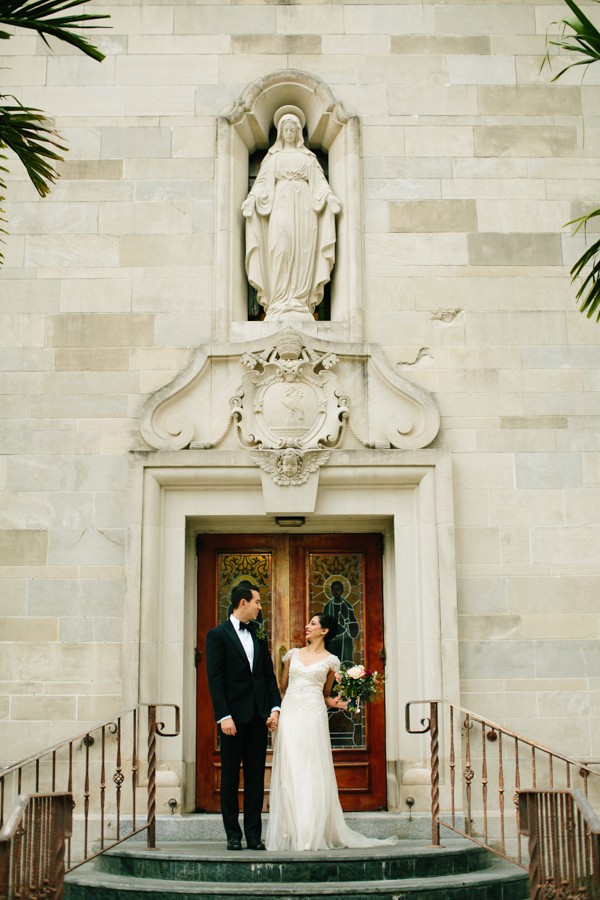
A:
[(407, 495)]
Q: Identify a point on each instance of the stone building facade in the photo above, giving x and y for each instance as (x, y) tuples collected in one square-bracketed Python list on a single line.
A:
[(471, 442)]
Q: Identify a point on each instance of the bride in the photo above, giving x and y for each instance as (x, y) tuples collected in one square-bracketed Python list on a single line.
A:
[(304, 810)]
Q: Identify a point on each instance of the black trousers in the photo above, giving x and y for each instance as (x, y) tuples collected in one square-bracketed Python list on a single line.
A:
[(247, 748)]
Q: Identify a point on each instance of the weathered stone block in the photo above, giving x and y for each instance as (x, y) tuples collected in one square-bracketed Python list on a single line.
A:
[(98, 330), (41, 708), (440, 43), (535, 471), (395, 19), (484, 19), (83, 250), (23, 547), (481, 70), (530, 140), (433, 216), (478, 545), (176, 70), (66, 662), (541, 100), (432, 100), (489, 628), (560, 627), (434, 140), (497, 659), (23, 71), (166, 218), (482, 596), (278, 44), (489, 249), (567, 658), (96, 360), (187, 250), (80, 70), (521, 216), (121, 143), (424, 249), (221, 20)]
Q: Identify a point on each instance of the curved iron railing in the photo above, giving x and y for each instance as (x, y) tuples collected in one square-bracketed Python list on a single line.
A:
[(101, 770), (486, 778)]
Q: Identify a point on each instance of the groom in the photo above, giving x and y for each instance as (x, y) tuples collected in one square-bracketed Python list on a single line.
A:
[(246, 701)]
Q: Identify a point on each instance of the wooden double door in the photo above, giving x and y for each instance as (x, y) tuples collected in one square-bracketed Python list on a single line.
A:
[(299, 575)]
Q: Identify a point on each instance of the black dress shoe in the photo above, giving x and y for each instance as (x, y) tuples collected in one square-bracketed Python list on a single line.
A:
[(257, 846), (234, 844)]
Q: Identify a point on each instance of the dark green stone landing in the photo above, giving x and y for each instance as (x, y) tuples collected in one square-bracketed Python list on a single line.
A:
[(412, 868)]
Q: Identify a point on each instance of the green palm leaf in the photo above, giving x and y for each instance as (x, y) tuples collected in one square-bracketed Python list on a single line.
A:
[(25, 130), (48, 19), (30, 135), (583, 40), (589, 291)]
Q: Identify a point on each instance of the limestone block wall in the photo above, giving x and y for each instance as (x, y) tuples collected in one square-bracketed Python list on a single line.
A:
[(471, 164)]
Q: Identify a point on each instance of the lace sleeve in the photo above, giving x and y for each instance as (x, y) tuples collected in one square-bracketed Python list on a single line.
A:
[(288, 655), (334, 663)]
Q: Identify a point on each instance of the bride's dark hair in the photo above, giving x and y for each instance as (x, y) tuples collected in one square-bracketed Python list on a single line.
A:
[(330, 624)]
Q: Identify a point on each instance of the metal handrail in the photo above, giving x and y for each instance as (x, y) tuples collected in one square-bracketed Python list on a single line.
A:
[(564, 844), (83, 768), (479, 771), (32, 846)]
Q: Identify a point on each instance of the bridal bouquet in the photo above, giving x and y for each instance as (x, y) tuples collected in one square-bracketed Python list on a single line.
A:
[(359, 685)]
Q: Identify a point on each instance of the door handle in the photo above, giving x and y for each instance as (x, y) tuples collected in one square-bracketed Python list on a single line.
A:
[(197, 657)]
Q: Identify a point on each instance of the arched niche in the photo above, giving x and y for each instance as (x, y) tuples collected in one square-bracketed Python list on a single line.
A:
[(241, 129)]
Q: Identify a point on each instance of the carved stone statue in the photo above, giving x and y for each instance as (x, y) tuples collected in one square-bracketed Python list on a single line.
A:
[(290, 224)]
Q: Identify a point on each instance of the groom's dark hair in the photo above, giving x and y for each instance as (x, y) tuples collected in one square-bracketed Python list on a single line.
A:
[(242, 591)]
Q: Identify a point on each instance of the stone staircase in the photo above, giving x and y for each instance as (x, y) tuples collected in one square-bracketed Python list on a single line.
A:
[(193, 862)]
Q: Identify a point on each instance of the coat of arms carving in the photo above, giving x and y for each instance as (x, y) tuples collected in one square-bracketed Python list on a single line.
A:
[(290, 404)]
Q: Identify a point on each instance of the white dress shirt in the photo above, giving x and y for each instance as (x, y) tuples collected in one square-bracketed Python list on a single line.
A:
[(245, 637)]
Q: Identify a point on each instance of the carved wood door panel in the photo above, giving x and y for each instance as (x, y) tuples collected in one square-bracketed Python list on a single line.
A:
[(299, 575)]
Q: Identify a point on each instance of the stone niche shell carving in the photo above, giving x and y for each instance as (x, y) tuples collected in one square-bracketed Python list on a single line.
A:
[(298, 393)]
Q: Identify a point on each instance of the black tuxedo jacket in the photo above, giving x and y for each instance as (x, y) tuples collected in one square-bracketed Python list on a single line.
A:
[(235, 690)]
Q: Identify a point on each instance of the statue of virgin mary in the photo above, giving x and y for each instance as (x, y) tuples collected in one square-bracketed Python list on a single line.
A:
[(290, 224)]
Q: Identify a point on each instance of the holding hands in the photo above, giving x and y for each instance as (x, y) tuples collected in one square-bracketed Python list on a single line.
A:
[(273, 720)]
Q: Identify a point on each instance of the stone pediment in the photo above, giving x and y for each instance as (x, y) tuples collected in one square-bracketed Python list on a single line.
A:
[(290, 399)]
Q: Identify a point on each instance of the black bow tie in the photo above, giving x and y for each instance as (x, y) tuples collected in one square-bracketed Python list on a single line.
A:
[(244, 625)]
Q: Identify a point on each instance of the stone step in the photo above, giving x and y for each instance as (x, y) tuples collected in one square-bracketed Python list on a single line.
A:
[(209, 826), (212, 862), (500, 881), (459, 870)]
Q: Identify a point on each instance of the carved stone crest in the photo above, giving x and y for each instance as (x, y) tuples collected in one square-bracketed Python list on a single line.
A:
[(290, 401), (293, 395)]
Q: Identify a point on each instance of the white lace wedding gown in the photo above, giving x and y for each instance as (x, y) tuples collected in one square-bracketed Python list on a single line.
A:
[(304, 809)]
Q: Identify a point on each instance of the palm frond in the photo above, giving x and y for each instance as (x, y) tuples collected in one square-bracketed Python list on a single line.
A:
[(31, 136), (580, 36), (588, 294), (50, 18), (583, 38)]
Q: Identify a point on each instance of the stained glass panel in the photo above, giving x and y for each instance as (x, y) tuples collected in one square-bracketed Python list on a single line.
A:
[(335, 587), (233, 568)]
